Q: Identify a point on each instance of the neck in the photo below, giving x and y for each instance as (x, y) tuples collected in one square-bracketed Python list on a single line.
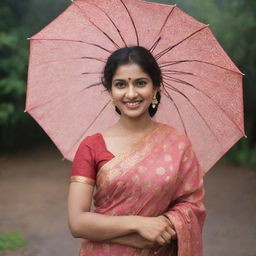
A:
[(136, 125)]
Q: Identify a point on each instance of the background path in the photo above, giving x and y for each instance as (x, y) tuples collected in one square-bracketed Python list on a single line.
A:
[(33, 194)]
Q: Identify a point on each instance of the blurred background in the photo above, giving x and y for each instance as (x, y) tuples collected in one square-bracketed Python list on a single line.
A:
[(34, 180)]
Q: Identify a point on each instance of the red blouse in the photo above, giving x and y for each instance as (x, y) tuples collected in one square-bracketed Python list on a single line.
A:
[(90, 156)]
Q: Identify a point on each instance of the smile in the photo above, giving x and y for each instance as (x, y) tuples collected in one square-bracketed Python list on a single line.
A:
[(132, 104)]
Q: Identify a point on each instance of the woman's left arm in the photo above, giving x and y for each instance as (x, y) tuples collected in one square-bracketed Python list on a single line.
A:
[(187, 212)]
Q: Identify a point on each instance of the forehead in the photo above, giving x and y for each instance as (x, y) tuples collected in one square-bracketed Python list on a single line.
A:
[(129, 70)]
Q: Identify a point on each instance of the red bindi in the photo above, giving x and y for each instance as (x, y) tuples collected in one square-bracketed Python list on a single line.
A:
[(129, 78)]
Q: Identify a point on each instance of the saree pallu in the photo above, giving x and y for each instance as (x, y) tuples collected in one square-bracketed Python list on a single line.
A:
[(158, 175)]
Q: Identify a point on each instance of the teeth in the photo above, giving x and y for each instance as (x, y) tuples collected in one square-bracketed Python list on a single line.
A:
[(132, 103)]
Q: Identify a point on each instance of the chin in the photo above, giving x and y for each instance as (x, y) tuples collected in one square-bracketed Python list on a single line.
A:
[(134, 114)]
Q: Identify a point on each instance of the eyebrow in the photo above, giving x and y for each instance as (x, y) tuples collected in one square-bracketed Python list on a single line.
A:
[(119, 79)]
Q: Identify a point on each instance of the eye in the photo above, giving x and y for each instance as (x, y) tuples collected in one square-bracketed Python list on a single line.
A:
[(141, 83), (120, 84)]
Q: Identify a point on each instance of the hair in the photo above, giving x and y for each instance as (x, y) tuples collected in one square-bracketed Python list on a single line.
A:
[(140, 56)]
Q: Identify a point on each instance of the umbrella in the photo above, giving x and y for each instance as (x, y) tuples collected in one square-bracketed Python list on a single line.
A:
[(201, 90)]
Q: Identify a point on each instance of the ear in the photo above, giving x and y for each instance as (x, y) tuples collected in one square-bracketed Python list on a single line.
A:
[(155, 91)]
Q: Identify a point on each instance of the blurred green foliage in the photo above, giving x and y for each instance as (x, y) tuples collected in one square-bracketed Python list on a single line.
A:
[(11, 241), (242, 153), (19, 20), (232, 21), (12, 73)]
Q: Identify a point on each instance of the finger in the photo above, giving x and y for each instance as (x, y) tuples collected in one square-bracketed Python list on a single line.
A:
[(169, 227), (171, 231), (160, 240), (170, 224), (174, 234), (166, 236), (167, 220)]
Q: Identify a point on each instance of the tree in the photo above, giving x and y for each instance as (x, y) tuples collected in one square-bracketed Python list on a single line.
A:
[(17, 23)]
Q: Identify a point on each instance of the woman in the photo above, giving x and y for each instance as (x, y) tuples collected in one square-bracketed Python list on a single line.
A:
[(149, 197)]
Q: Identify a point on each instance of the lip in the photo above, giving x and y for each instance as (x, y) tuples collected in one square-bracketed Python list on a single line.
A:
[(132, 106), (132, 101)]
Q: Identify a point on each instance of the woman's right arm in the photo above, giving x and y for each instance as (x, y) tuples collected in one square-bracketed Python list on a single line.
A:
[(94, 226), (99, 227)]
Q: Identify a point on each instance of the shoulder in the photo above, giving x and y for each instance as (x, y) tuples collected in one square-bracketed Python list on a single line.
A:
[(91, 140)]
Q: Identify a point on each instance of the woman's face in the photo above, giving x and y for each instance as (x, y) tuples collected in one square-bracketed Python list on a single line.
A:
[(132, 90)]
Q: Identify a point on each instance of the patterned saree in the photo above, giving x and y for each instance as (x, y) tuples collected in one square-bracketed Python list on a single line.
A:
[(160, 174)]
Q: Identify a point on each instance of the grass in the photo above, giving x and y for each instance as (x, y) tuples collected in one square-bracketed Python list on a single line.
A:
[(11, 241)]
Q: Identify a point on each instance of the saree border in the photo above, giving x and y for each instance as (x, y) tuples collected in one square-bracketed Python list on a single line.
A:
[(82, 179), (119, 157)]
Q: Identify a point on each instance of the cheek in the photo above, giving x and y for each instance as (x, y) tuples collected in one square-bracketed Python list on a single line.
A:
[(117, 94), (147, 94)]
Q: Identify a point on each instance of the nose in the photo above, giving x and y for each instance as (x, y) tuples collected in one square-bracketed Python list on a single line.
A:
[(131, 92)]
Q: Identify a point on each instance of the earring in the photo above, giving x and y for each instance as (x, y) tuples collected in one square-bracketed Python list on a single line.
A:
[(154, 102), (112, 102)]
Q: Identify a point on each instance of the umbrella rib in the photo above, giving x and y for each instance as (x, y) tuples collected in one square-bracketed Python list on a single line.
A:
[(176, 72), (104, 33), (92, 85), (91, 73), (191, 85), (133, 24), (53, 61), (71, 40), (162, 53), (84, 57), (67, 96), (90, 125), (171, 63), (167, 94), (152, 48), (93, 58), (117, 29), (167, 18), (179, 92)]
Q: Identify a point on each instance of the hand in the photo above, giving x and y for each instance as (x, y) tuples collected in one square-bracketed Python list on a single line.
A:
[(133, 240), (173, 227), (156, 229), (138, 241)]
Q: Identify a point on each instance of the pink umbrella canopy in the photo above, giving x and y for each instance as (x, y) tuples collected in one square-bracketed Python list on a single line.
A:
[(201, 91)]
